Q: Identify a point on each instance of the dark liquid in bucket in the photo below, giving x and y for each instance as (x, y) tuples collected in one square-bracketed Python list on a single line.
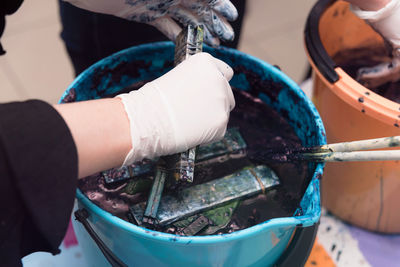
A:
[(262, 128), (353, 59)]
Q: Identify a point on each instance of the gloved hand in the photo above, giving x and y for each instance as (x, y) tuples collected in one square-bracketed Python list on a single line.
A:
[(187, 106), (385, 21), (162, 13)]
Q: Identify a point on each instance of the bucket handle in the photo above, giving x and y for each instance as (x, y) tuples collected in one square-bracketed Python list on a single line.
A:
[(81, 216), (299, 249), (313, 42)]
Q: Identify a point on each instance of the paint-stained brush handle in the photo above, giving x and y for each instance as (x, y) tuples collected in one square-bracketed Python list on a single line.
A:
[(393, 141), (351, 156), (346, 151)]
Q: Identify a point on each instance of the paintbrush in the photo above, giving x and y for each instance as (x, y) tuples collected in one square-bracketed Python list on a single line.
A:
[(346, 151)]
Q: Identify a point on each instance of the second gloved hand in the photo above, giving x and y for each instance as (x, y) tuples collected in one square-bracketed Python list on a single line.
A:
[(385, 21), (185, 107), (163, 14)]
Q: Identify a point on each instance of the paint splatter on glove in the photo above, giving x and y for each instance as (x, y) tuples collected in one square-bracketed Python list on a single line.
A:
[(185, 107), (163, 14), (386, 22)]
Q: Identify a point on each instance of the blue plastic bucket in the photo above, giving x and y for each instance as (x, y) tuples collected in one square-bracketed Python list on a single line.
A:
[(260, 245)]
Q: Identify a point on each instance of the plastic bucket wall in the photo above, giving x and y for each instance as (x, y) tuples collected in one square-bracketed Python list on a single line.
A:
[(362, 193), (260, 245)]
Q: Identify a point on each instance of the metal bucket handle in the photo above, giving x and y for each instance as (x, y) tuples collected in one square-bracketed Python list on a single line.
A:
[(81, 216), (296, 253)]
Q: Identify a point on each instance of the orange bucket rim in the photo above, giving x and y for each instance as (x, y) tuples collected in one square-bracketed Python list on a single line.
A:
[(342, 84)]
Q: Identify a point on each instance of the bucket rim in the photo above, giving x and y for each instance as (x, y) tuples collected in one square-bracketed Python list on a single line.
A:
[(272, 224), (338, 81), (310, 218)]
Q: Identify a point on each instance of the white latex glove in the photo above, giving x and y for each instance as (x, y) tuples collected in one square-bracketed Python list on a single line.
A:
[(386, 21), (162, 13), (186, 107)]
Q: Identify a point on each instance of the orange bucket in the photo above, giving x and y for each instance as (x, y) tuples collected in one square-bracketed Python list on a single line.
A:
[(366, 194)]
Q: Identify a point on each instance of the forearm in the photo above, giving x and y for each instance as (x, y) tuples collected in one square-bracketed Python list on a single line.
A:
[(101, 132), (369, 5)]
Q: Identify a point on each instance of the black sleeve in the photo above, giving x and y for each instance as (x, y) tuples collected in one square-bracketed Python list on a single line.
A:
[(38, 177), (7, 7)]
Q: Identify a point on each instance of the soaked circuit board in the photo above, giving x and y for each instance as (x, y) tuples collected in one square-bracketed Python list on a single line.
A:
[(189, 42), (231, 146), (198, 198), (126, 172)]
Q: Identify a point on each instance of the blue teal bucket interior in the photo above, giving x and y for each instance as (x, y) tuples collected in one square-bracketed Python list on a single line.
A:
[(254, 246)]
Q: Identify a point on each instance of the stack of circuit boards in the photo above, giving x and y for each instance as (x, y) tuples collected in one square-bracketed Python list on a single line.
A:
[(201, 208), (198, 209)]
